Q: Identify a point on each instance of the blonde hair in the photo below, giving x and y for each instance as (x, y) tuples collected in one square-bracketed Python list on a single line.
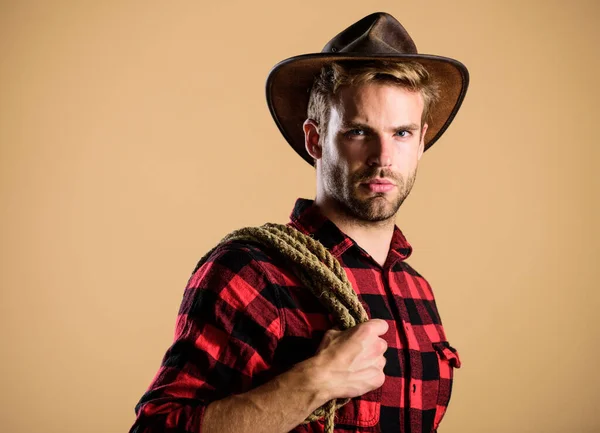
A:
[(325, 90)]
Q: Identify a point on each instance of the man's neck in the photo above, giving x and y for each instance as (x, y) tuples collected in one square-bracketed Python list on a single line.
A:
[(373, 237)]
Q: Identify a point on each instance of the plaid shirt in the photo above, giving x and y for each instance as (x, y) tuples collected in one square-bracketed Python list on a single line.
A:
[(245, 318)]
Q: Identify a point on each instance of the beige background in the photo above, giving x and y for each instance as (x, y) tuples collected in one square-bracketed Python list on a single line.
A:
[(134, 135)]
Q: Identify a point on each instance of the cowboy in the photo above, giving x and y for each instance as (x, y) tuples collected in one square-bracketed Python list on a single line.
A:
[(254, 350)]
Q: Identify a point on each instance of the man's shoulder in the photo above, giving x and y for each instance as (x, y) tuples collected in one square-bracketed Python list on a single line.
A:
[(240, 251), (233, 272), (237, 256)]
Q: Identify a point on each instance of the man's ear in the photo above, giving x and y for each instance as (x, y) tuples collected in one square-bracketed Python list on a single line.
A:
[(312, 141), (422, 140)]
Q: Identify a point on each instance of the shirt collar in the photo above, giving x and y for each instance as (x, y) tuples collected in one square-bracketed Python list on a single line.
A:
[(307, 218)]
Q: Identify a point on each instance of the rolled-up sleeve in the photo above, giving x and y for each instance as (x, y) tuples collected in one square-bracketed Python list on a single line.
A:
[(227, 331)]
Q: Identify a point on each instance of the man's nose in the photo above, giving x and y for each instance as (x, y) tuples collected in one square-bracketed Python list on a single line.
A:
[(381, 152)]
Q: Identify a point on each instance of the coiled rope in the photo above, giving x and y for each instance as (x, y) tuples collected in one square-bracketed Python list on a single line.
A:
[(320, 272)]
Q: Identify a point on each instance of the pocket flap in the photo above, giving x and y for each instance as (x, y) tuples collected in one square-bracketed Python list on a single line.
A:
[(447, 352)]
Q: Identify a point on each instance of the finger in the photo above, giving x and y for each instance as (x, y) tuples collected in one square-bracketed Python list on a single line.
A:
[(374, 350), (379, 326)]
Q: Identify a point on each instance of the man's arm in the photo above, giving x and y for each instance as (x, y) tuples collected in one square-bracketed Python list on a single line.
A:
[(227, 331), (348, 364)]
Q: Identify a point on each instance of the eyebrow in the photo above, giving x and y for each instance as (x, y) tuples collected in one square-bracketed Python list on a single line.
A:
[(358, 125)]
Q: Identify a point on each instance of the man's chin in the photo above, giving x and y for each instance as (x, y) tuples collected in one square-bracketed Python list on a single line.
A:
[(375, 209), (381, 215)]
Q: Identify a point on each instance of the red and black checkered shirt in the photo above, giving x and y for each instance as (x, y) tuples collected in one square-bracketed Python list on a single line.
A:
[(245, 318)]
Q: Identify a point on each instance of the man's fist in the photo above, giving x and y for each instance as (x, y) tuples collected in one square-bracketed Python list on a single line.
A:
[(350, 363)]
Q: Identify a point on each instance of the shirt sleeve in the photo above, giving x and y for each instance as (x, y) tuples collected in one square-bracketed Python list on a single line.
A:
[(227, 331)]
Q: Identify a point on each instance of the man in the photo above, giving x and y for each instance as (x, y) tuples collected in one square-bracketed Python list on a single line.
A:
[(255, 351)]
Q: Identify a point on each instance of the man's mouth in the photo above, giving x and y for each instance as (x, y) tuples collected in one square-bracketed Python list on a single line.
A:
[(379, 185)]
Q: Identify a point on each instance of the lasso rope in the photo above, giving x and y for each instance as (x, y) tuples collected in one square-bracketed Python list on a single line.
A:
[(320, 272)]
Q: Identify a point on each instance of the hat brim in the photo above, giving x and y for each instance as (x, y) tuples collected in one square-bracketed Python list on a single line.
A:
[(289, 82)]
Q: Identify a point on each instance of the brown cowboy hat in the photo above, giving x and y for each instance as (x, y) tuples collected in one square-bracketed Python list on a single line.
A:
[(378, 36)]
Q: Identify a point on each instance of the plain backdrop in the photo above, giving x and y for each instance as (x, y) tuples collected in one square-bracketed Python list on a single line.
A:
[(135, 135)]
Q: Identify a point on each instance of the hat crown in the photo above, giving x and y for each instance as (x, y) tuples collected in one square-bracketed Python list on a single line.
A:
[(378, 33)]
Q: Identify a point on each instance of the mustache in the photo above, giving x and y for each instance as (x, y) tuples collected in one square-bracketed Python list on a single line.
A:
[(371, 173)]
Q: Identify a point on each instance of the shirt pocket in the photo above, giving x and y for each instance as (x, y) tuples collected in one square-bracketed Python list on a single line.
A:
[(448, 360), (360, 414)]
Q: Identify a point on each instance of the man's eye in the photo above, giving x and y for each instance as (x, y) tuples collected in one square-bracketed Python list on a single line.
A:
[(356, 132), (403, 133)]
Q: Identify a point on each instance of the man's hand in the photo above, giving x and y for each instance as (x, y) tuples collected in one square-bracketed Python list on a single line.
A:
[(347, 364), (350, 363)]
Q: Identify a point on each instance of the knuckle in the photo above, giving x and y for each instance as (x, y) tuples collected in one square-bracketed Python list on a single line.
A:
[(377, 379), (382, 362), (365, 326), (360, 331)]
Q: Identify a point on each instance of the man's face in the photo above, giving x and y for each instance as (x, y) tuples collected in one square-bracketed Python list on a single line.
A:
[(370, 153)]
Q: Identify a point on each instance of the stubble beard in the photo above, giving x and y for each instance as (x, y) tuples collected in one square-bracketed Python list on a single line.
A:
[(378, 207)]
